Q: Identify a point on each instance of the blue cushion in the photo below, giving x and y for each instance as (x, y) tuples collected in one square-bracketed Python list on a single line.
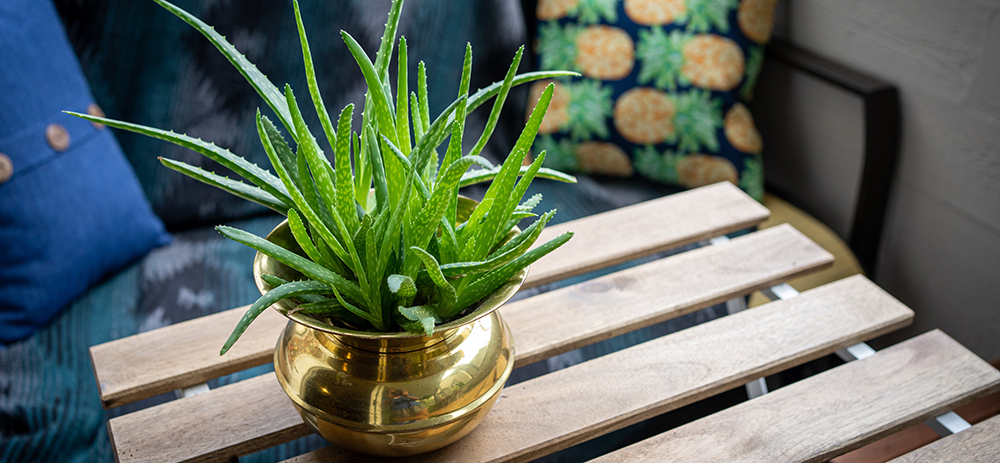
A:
[(71, 209)]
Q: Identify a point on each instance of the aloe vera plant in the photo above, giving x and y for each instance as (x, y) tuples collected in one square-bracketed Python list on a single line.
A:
[(377, 226)]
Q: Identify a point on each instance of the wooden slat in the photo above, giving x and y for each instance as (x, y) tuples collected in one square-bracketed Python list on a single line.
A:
[(833, 412), (978, 444), (560, 409), (704, 276), (185, 354)]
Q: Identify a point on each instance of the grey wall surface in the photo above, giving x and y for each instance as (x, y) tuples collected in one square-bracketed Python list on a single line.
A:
[(940, 252)]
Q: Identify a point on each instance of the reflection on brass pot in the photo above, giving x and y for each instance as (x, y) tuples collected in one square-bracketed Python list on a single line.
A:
[(392, 394)]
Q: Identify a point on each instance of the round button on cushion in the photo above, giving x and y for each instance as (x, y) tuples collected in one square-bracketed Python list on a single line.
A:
[(96, 111), (57, 137), (6, 168)]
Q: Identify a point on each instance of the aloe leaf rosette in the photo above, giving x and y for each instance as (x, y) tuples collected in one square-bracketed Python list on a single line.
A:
[(376, 244)]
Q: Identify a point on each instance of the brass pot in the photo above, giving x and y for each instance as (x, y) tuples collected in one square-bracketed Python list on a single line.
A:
[(391, 394)]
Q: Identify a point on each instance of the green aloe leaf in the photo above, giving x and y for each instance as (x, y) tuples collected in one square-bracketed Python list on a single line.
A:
[(491, 123), (240, 189), (295, 288), (285, 155), (492, 280), (295, 261), (257, 79), (473, 177), (502, 187), (301, 236), (382, 112), (402, 116), (260, 177), (324, 116), (402, 286), (388, 38), (427, 222), (422, 314), (446, 292), (345, 182), (300, 200)]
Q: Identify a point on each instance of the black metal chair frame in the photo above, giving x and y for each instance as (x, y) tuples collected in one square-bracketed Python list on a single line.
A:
[(881, 144)]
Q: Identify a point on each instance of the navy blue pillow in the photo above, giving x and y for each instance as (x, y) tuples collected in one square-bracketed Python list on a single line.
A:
[(71, 209)]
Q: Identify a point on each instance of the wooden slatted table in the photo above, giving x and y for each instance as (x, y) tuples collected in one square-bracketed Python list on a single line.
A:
[(812, 420)]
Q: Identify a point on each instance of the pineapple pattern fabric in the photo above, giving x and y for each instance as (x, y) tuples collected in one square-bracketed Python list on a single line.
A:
[(663, 88)]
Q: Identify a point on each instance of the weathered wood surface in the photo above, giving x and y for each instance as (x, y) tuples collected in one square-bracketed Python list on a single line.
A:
[(978, 444), (185, 354), (833, 412), (711, 274), (587, 400)]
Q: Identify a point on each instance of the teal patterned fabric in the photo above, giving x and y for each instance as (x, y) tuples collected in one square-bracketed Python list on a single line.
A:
[(664, 88)]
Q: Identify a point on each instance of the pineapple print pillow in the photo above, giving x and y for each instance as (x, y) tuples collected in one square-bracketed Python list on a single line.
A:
[(663, 88)]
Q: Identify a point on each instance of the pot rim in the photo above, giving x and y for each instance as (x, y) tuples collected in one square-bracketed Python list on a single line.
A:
[(486, 306)]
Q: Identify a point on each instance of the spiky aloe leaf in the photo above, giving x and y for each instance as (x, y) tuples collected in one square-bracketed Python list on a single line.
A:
[(324, 176), (505, 87), (299, 199), (557, 45), (446, 292), (426, 223), (345, 183), (295, 261), (402, 116), (283, 152), (698, 117), (240, 189), (388, 38), (454, 150), (402, 286), (257, 79), (525, 235), (382, 111), (301, 236), (423, 315), (492, 280), (324, 116), (499, 258), (473, 177), (501, 188), (701, 15), (662, 57), (293, 289), (378, 169), (260, 177)]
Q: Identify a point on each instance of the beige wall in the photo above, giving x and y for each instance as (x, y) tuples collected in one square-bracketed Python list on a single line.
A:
[(940, 251)]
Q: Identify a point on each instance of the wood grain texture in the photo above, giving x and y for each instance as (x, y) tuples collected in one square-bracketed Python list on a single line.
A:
[(833, 412), (541, 327), (181, 355), (569, 318), (186, 354), (213, 426), (584, 401), (978, 444), (641, 229)]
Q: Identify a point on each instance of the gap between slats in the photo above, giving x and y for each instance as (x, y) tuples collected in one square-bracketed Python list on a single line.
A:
[(713, 273)]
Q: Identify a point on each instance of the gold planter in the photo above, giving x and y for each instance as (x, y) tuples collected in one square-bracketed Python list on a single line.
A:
[(392, 394)]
